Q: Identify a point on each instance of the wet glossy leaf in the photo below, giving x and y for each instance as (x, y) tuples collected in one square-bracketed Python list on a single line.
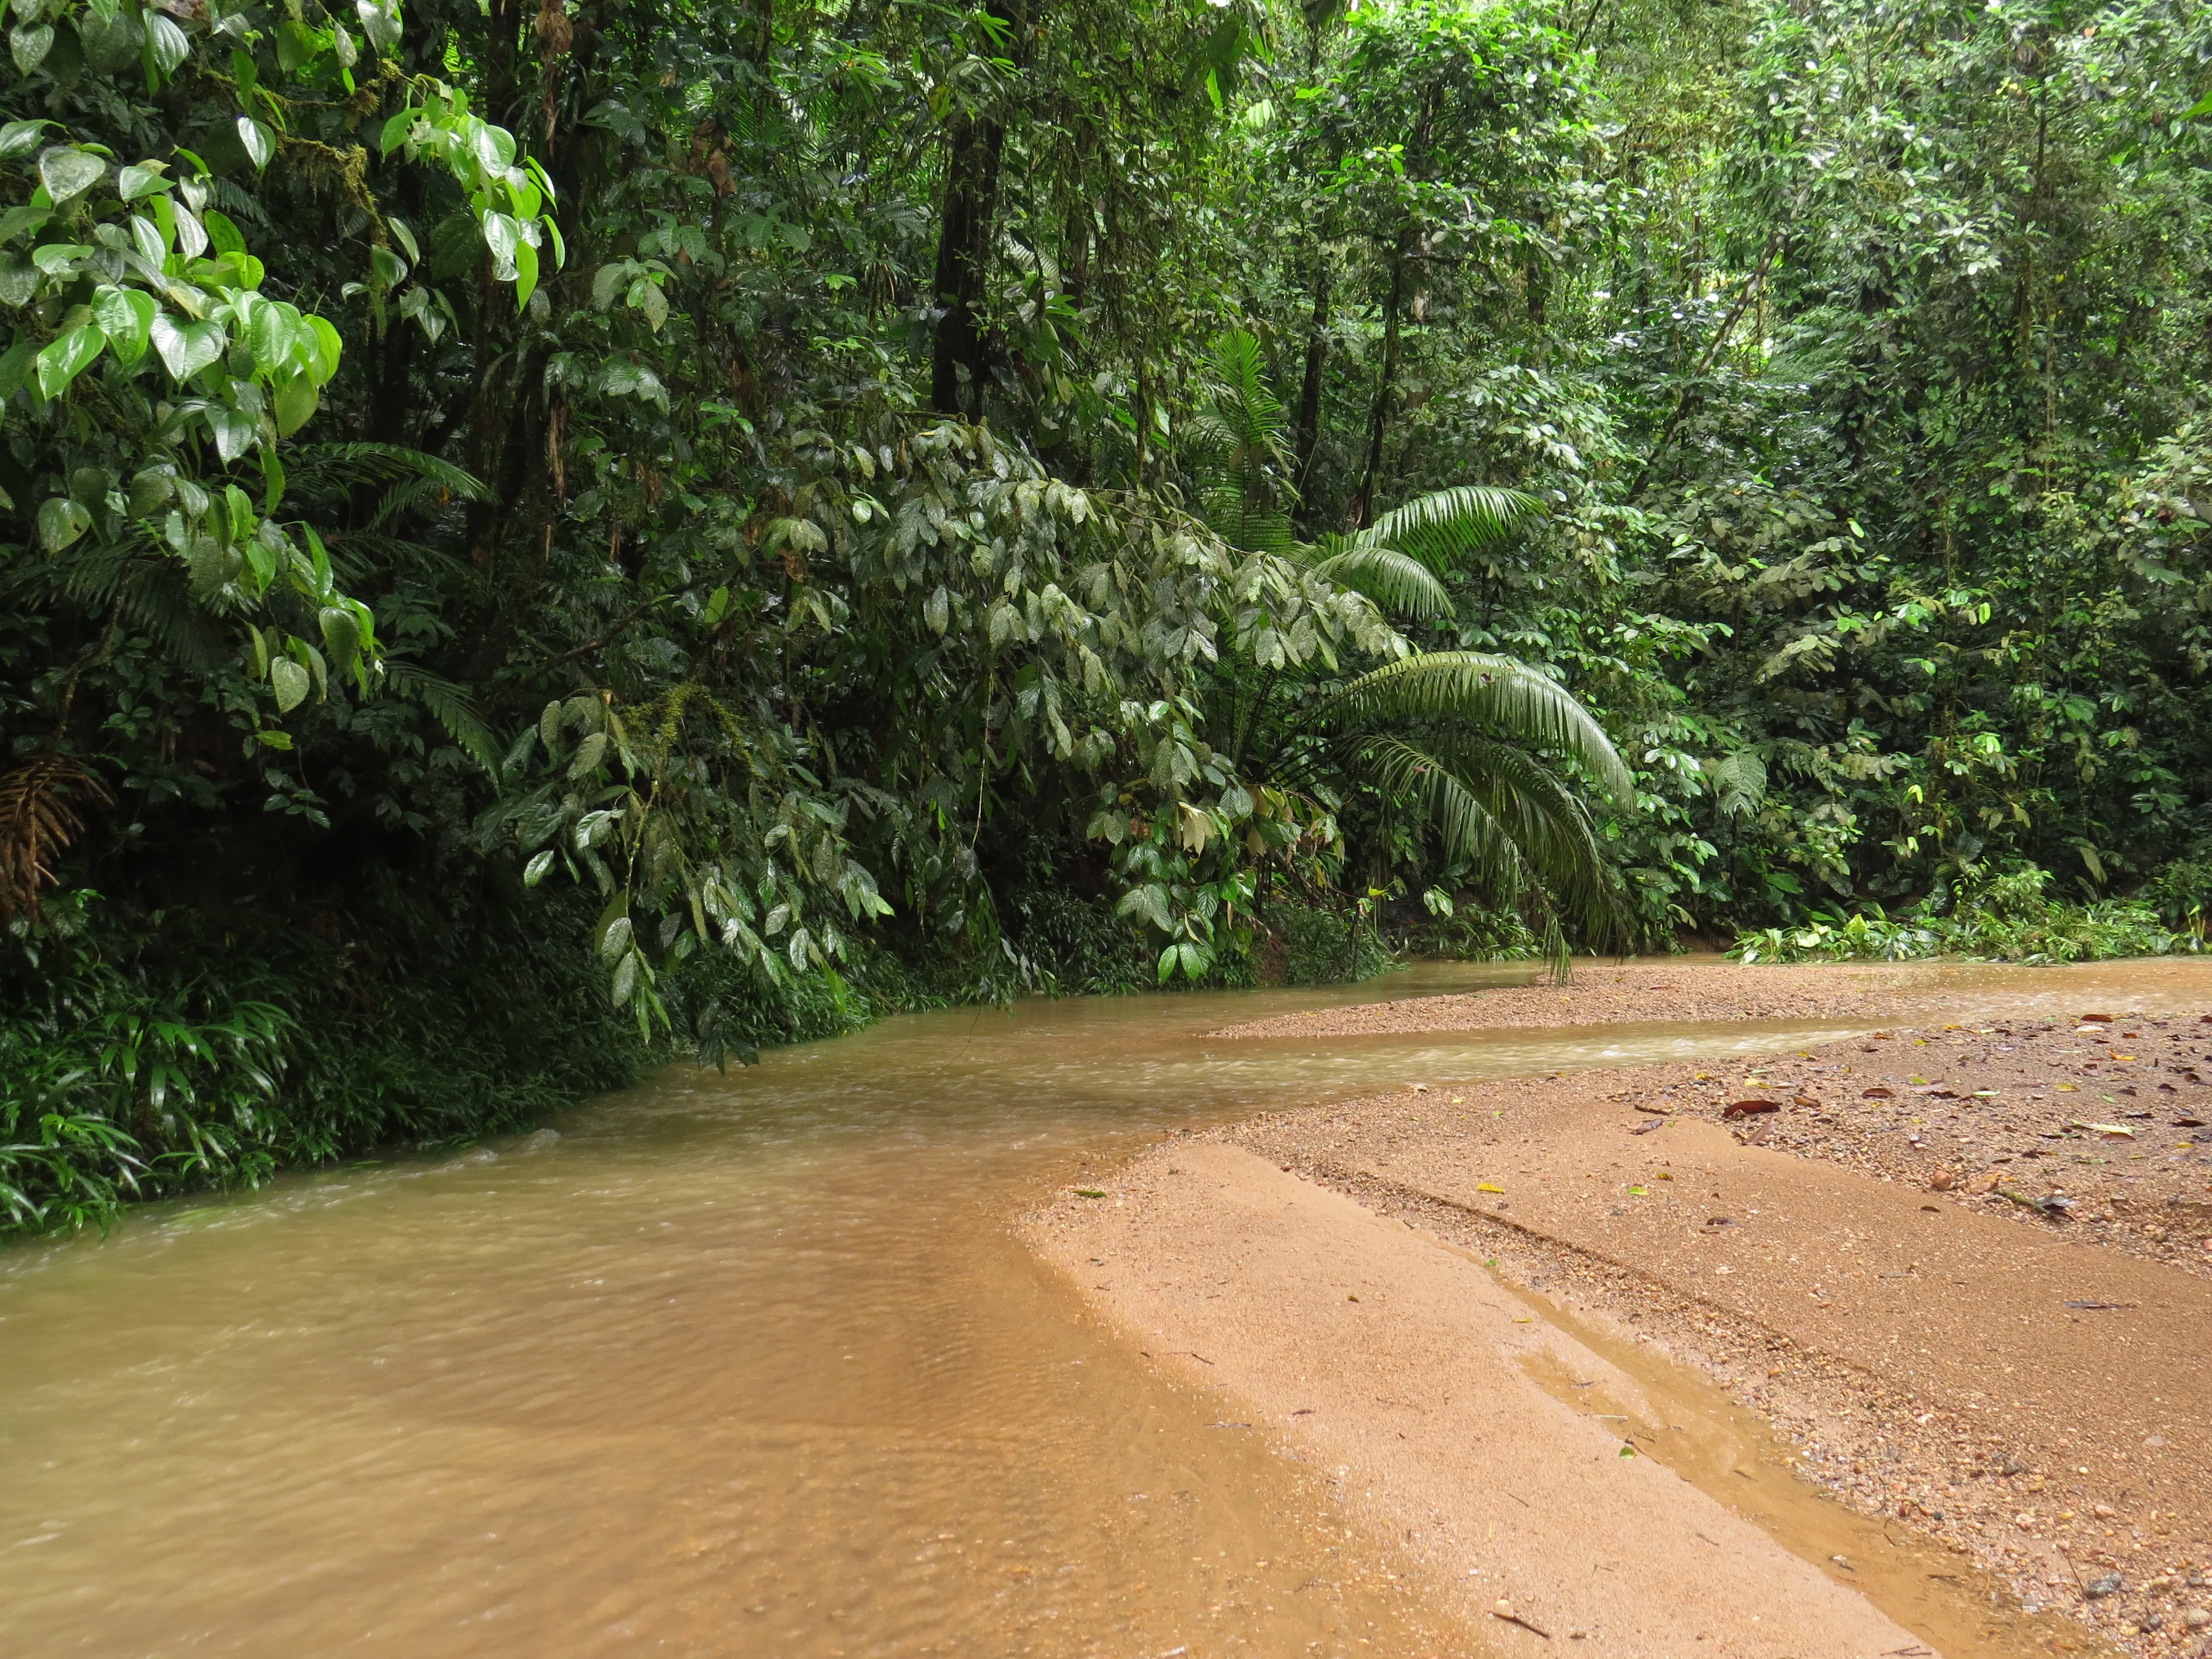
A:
[(290, 681), (186, 349), (260, 143), (68, 173), (68, 357), (61, 521)]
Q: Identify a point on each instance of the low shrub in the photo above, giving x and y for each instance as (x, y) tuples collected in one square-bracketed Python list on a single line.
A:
[(2010, 917)]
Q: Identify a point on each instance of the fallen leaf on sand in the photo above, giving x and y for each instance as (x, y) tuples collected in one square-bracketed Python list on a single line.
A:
[(2109, 1131), (1880, 1093), (2068, 1089), (1656, 1111), (2093, 1019), (1641, 1192), (1748, 1107), (1486, 1187)]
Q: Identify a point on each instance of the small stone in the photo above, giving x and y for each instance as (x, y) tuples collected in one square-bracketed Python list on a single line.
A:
[(2154, 1621), (2105, 1511), (2097, 1589), (2197, 1618)]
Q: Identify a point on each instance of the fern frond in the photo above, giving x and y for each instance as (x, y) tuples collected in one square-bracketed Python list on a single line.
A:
[(158, 599), (346, 465), (451, 707)]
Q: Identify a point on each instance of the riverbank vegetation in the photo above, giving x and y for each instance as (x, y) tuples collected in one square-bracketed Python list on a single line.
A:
[(536, 538)]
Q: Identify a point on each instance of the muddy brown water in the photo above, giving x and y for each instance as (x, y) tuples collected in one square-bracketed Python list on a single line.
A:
[(749, 1364)]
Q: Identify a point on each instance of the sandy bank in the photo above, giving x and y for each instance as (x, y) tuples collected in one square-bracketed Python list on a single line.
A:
[(1608, 996), (1466, 1301)]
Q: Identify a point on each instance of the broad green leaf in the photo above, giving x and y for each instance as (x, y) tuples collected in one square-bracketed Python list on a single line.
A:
[(646, 295), (341, 636), (534, 871), (297, 45), (272, 335), (15, 367), (501, 233), (21, 138), (614, 938), (19, 280), (295, 404), (59, 258), (937, 610), (125, 316), (17, 219), (61, 521), (67, 172), (290, 683), (232, 432), (69, 357), (166, 45), (135, 181), (29, 46), (386, 267), (222, 233), (396, 129), (192, 235), (260, 143), (186, 349), (380, 23), (326, 346), (625, 979), (525, 273)]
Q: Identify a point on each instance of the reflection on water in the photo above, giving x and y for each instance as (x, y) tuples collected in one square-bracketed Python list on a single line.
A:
[(743, 1364)]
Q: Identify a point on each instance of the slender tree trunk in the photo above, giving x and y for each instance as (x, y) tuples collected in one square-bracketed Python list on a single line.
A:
[(1378, 422), (960, 352), (963, 249), (1307, 438)]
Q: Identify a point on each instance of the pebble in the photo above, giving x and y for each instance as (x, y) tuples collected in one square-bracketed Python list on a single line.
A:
[(2097, 1588), (2197, 1617)]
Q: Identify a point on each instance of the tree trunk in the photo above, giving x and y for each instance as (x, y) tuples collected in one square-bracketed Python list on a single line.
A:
[(960, 352), (1379, 421), (1307, 438)]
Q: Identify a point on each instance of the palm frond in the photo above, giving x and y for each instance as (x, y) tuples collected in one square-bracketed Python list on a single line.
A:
[(158, 599), (1476, 689), (36, 823), (1397, 582), (1470, 832), (1546, 821), (451, 707), (1441, 528), (346, 465)]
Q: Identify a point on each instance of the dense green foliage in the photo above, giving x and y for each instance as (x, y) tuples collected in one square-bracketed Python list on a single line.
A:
[(534, 538)]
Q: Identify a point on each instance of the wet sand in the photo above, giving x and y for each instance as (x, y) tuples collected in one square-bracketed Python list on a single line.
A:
[(1676, 993), (1948, 1280)]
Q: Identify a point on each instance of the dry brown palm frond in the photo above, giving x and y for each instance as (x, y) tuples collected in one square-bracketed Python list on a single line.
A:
[(37, 823)]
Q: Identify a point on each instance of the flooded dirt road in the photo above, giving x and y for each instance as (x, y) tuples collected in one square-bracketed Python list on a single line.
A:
[(749, 1364)]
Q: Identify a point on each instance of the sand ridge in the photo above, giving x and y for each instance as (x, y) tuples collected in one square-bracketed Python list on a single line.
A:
[(2016, 1381), (1600, 995)]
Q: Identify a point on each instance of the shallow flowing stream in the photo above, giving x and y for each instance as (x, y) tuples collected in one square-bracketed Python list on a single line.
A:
[(743, 1364)]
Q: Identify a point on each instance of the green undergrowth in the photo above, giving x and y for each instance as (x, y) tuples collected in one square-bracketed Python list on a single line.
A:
[(2007, 918), (144, 1056)]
